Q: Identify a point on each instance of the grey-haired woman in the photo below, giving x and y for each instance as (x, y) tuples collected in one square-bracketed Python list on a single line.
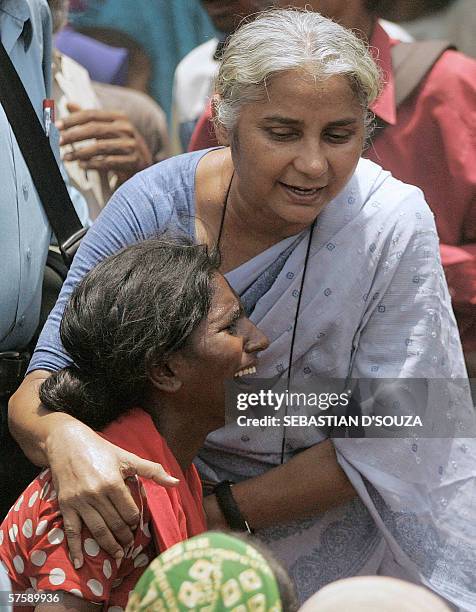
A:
[(338, 263)]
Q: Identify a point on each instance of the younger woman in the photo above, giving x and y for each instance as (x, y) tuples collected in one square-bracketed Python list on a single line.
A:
[(153, 331)]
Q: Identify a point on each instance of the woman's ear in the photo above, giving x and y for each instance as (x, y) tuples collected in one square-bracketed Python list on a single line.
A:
[(165, 378), (221, 132)]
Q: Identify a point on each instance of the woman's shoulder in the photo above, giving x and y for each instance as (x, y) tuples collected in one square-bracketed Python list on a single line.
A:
[(172, 174), (384, 196), (152, 199)]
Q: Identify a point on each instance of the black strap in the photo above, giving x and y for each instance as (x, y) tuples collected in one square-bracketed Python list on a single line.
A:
[(39, 158), (229, 507)]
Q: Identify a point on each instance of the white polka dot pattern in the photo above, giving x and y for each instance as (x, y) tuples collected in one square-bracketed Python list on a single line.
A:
[(91, 547), (44, 490), (146, 529), (38, 557), (13, 532), (56, 536), (27, 528), (17, 506), (33, 498), (106, 568), (95, 587), (41, 527), (57, 576), (19, 564), (141, 561)]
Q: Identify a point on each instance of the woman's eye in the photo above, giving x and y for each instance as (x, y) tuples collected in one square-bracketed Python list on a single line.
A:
[(336, 137), (282, 135), (231, 329)]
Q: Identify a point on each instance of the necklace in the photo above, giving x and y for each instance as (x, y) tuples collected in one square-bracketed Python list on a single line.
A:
[(298, 305)]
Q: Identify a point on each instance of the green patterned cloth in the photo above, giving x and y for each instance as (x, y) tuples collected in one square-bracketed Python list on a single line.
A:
[(210, 572)]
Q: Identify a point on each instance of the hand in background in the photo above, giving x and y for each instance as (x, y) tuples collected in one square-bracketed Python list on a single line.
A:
[(115, 145)]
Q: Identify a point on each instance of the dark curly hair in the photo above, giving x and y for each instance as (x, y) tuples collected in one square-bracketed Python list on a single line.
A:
[(131, 312)]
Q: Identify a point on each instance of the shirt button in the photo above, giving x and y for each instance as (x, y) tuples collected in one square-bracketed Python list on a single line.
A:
[(28, 254), (25, 191), (21, 321)]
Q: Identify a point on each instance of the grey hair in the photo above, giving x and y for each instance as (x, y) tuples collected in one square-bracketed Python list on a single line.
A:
[(292, 39)]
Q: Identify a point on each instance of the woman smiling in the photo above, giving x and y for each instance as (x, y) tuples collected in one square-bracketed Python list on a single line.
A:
[(338, 264)]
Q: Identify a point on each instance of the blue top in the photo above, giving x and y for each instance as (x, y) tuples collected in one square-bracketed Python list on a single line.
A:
[(25, 30)]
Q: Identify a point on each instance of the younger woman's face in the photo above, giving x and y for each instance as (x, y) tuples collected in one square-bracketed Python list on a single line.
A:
[(224, 345)]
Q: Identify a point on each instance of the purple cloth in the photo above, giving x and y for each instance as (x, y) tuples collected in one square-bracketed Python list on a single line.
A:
[(104, 63)]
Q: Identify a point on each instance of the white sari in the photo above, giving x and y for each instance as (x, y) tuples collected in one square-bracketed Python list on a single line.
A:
[(375, 305)]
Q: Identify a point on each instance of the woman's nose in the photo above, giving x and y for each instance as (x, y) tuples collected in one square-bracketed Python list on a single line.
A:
[(254, 340), (311, 160)]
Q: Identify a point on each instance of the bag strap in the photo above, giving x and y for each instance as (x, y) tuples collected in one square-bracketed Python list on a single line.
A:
[(39, 158), (411, 63)]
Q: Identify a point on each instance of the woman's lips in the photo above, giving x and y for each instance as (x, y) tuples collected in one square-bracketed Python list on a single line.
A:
[(245, 371), (302, 193)]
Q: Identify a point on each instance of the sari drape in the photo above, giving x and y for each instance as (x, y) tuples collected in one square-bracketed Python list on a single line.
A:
[(375, 305)]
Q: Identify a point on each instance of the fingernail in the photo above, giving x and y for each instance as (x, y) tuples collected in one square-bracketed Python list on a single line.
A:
[(59, 124), (77, 563), (172, 480), (68, 156)]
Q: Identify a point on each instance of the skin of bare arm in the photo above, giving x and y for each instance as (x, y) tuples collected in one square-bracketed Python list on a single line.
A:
[(314, 483), (88, 471)]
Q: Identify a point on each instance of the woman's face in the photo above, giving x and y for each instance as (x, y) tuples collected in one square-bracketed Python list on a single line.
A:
[(295, 151), (223, 346)]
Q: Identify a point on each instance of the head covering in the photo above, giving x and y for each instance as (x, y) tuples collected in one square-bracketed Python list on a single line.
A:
[(213, 571)]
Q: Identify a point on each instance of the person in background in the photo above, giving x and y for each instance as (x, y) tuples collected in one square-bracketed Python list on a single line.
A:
[(101, 145), (25, 234), (428, 141), (215, 571), (154, 332), (453, 20), (166, 30), (374, 594), (194, 76)]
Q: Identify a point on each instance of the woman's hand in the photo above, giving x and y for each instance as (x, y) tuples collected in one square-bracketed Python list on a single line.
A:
[(109, 141), (88, 472), (310, 483)]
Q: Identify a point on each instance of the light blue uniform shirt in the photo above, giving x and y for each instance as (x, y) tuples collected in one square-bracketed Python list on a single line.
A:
[(25, 30)]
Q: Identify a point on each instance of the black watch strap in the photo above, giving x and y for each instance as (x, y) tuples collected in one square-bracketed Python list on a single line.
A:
[(229, 507)]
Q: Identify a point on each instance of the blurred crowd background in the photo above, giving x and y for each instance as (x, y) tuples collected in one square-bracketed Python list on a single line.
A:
[(153, 36)]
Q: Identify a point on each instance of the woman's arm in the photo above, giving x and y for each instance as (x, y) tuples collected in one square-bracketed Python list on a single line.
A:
[(88, 471), (310, 483)]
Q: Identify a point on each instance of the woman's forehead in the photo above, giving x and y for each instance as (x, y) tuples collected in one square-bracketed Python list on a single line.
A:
[(225, 302), (297, 93)]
